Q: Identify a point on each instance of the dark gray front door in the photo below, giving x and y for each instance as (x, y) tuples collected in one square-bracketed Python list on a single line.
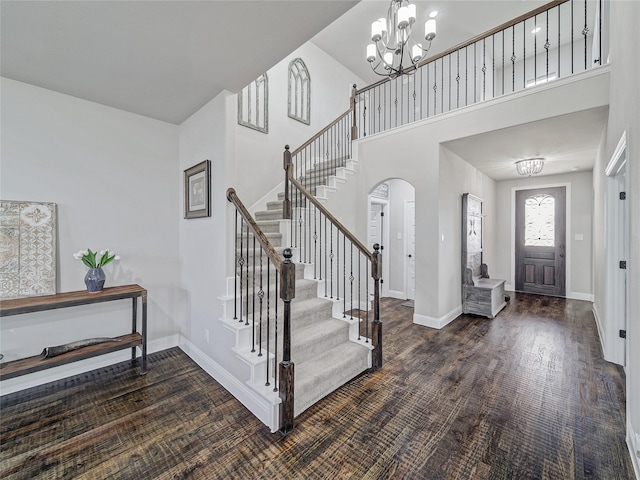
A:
[(541, 241)]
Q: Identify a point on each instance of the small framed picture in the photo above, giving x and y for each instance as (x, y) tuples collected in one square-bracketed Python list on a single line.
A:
[(197, 190)]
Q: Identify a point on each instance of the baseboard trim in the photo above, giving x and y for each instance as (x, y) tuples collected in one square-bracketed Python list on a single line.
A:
[(397, 294), (266, 412), (438, 323), (23, 382), (587, 297), (633, 443)]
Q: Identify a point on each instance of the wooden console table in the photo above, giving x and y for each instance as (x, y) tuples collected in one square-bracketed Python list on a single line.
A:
[(132, 340)]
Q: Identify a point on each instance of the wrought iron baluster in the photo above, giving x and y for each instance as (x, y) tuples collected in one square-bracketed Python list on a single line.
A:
[(325, 256), (366, 322), (466, 75), (502, 62), (344, 275), (475, 73), (524, 54), (513, 58), (442, 85), (351, 279), (449, 56), (331, 259), (275, 356), (493, 66), (261, 297), (484, 69), (315, 242), (320, 256), (585, 32), (338, 264), (268, 315), (253, 290), (241, 265), (571, 37), (427, 66), (559, 29), (247, 280), (547, 45), (535, 51), (235, 273), (435, 87), (457, 78)]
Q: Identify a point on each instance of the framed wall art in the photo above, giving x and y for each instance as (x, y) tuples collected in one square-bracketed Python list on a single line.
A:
[(27, 249), (197, 190)]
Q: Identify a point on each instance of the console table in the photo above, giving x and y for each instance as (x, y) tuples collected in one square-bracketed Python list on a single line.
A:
[(132, 340)]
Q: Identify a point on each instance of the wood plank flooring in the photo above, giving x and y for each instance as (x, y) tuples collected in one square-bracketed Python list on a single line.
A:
[(524, 396)]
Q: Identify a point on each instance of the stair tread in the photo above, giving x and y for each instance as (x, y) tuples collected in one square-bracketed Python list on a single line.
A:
[(318, 377)]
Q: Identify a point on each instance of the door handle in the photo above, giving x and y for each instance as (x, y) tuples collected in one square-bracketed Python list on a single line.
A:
[(409, 255), (562, 255)]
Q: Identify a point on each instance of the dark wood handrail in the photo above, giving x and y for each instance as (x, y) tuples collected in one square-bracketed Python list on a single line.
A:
[(319, 134), (259, 235), (471, 41), (331, 218)]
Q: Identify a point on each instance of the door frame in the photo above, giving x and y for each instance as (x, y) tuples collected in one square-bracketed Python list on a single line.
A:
[(617, 294), (384, 286), (406, 249), (568, 239)]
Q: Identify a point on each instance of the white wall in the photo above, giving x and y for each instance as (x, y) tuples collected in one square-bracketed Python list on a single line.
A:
[(579, 222), (458, 177), (259, 156), (114, 177), (419, 147), (624, 117)]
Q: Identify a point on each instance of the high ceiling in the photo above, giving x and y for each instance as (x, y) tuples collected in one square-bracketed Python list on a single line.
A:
[(166, 59), (161, 59)]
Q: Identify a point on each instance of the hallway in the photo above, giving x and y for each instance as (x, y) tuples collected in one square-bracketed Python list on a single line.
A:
[(526, 395)]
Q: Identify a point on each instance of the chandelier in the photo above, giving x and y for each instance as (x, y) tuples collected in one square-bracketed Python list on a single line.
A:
[(530, 166), (394, 52)]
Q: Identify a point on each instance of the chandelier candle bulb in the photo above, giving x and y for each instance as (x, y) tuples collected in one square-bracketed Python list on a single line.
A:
[(430, 29), (403, 17), (416, 52), (388, 60), (371, 52), (377, 28)]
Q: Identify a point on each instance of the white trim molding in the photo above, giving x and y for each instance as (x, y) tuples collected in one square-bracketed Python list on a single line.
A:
[(438, 323), (266, 411)]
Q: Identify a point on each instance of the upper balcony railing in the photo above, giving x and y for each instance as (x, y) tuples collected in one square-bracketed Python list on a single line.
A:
[(554, 41)]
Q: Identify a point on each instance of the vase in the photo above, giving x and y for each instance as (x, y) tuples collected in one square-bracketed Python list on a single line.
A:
[(94, 280)]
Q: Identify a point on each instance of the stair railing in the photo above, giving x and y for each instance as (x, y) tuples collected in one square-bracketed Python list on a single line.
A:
[(322, 154), (256, 261), (556, 40), (341, 263)]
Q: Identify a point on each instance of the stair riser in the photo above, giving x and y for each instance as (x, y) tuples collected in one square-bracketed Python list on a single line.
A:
[(269, 215), (274, 238)]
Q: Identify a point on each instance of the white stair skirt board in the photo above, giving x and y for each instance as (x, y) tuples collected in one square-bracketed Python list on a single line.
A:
[(266, 411), (438, 323), (56, 373)]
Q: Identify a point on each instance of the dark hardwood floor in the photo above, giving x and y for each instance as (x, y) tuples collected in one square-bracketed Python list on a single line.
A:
[(524, 396)]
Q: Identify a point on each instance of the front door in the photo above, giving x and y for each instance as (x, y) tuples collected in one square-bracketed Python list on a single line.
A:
[(540, 241)]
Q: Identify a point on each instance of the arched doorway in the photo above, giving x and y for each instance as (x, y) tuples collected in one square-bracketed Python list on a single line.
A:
[(391, 223)]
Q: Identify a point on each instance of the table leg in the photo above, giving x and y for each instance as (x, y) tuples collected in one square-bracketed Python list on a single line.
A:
[(134, 325), (144, 333)]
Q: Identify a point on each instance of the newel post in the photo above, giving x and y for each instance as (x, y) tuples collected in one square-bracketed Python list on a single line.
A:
[(286, 387), (376, 340), (288, 166), (354, 127)]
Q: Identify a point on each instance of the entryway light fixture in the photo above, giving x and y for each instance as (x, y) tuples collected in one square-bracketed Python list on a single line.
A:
[(530, 166), (393, 49)]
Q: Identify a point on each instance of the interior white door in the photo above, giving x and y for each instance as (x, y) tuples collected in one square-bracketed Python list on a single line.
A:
[(410, 258)]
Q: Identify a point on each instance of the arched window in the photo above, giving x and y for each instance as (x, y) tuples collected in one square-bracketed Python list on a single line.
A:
[(539, 223), (299, 92), (253, 105)]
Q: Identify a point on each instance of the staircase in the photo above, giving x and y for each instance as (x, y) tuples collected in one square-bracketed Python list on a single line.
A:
[(326, 344)]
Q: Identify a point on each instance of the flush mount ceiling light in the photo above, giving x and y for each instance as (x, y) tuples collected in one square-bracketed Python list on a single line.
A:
[(393, 49), (530, 166)]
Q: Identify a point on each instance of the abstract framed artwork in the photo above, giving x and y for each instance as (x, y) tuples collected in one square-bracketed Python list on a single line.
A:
[(27, 249), (197, 190)]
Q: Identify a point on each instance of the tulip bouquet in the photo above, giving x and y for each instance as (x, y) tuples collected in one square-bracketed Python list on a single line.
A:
[(94, 259)]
